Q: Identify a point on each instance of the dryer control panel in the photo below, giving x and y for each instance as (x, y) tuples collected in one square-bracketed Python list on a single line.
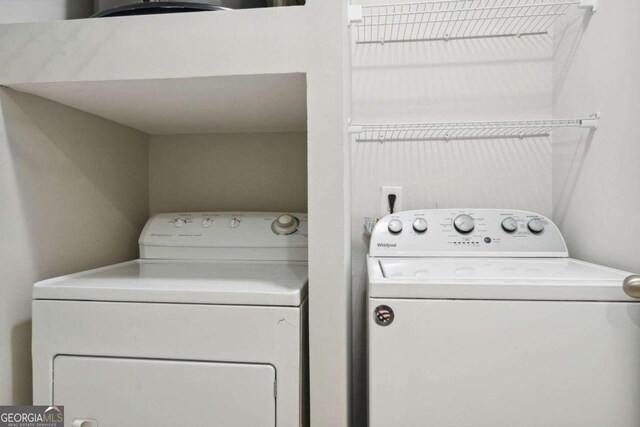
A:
[(466, 233), (265, 236)]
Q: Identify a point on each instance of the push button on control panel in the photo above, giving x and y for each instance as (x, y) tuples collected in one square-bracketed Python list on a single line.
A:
[(234, 223), (206, 223), (179, 222)]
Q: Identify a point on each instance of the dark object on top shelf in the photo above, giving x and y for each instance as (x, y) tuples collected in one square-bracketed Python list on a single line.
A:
[(285, 2), (106, 8)]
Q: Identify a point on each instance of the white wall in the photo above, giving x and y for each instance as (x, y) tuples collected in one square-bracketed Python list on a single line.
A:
[(596, 177), (12, 11), (309, 39), (445, 81), (74, 192), (249, 171)]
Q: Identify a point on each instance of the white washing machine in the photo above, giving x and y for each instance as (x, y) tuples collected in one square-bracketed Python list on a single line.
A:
[(207, 328), (478, 318)]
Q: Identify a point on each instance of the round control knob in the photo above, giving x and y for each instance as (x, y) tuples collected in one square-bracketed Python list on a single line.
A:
[(536, 226), (395, 226), (420, 225), (285, 224), (464, 223), (179, 222), (509, 225)]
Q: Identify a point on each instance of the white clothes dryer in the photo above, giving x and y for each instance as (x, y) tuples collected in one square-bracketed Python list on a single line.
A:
[(207, 328), (478, 318)]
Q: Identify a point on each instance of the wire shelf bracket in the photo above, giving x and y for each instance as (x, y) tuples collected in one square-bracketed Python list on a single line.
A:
[(355, 14), (457, 19), (394, 132)]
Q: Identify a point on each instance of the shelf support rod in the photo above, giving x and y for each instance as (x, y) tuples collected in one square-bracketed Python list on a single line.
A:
[(355, 14), (589, 4)]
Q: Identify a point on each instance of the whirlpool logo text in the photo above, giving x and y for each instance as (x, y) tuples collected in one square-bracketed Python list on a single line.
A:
[(387, 245)]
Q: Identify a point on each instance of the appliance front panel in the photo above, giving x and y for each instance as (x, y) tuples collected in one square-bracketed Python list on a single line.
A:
[(467, 233), (265, 236), (116, 392), (443, 363), (252, 335)]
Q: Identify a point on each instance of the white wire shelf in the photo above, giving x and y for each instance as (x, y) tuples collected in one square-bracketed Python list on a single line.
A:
[(457, 19), (465, 130)]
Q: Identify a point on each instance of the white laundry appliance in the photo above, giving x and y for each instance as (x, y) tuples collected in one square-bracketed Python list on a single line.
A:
[(207, 328), (478, 318)]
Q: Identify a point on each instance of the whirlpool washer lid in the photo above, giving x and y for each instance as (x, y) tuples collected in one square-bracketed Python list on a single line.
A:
[(554, 279), (272, 283)]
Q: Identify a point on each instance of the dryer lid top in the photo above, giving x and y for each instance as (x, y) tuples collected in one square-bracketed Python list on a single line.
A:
[(261, 283)]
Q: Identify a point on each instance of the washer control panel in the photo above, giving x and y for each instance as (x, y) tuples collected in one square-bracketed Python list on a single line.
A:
[(468, 233), (226, 235)]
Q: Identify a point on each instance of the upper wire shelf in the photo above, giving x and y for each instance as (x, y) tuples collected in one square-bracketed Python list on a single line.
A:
[(466, 130), (457, 19)]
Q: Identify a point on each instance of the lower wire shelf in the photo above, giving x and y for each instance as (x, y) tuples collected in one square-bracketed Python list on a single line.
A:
[(465, 130)]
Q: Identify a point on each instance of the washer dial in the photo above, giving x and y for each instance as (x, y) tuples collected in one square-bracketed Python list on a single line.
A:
[(395, 226), (420, 225), (464, 223), (510, 225), (285, 224), (536, 226)]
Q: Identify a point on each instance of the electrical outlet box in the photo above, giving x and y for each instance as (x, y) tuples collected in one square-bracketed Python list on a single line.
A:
[(384, 200)]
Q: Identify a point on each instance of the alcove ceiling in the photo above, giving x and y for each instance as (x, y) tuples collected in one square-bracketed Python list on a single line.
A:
[(221, 104)]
